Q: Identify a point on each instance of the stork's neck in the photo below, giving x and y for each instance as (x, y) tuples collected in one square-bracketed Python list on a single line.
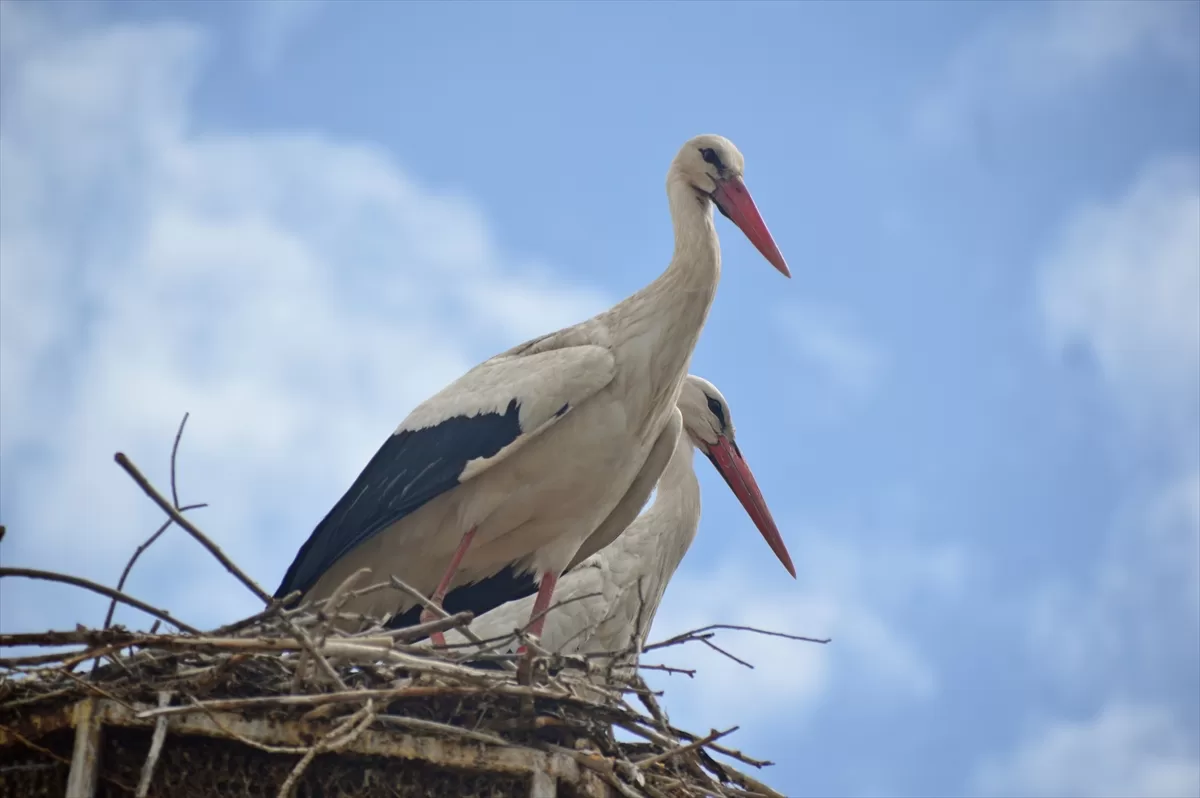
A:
[(662, 322), (664, 533)]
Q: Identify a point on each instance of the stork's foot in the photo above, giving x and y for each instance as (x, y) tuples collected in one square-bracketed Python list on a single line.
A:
[(525, 663)]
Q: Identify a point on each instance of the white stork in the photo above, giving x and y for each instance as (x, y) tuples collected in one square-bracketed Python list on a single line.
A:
[(519, 461), (608, 601)]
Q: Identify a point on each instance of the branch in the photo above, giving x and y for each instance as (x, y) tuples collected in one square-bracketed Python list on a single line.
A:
[(190, 528), (711, 738), (87, 584), (112, 607), (695, 634)]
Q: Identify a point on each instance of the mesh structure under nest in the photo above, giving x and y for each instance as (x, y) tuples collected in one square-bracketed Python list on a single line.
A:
[(197, 767)]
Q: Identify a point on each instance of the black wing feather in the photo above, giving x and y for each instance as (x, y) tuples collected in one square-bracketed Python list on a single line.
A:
[(411, 468)]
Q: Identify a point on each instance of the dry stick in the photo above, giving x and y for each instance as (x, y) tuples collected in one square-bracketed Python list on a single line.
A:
[(690, 673), (332, 605), (87, 584), (602, 768), (419, 724), (441, 613), (307, 642), (97, 689), (712, 737), (125, 463), (695, 633), (156, 742), (420, 630), (175, 497), (732, 753), (257, 617), (138, 553), (720, 650), (349, 729)]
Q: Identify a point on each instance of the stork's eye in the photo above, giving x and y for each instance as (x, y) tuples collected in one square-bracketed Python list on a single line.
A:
[(715, 408), (710, 156)]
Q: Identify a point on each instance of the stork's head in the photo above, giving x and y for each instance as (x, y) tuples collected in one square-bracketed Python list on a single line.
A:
[(709, 424), (714, 168)]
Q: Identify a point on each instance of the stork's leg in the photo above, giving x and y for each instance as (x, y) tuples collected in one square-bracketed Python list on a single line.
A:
[(540, 605), (440, 593), (537, 620)]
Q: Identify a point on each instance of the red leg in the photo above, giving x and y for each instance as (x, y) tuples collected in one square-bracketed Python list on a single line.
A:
[(540, 605), (440, 593)]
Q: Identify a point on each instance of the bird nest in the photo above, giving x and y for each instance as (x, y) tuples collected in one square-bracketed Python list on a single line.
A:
[(286, 703)]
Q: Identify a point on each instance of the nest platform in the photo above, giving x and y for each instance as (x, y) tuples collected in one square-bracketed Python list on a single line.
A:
[(288, 702)]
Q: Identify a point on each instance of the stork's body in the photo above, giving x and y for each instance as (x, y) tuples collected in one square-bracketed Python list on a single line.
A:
[(609, 599), (518, 462)]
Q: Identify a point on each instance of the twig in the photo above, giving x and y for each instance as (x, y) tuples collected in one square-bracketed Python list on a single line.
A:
[(150, 542), (160, 736), (125, 463), (712, 737), (275, 607), (416, 595), (601, 767), (720, 650), (420, 630), (138, 553), (668, 669), (696, 633), (349, 730), (443, 728), (87, 584)]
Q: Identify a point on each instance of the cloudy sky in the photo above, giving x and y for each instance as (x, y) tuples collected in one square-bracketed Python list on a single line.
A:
[(975, 409)]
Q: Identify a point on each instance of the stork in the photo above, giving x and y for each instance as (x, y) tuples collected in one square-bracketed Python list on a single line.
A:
[(608, 601), (518, 463)]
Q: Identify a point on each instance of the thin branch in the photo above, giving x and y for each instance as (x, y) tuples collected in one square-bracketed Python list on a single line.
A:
[(175, 497), (125, 463), (720, 650), (669, 669), (87, 584), (417, 596), (138, 553), (258, 617), (174, 453), (695, 633), (156, 742), (711, 738)]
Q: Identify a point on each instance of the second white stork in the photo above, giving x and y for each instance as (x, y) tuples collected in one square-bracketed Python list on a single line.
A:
[(609, 600), (519, 461)]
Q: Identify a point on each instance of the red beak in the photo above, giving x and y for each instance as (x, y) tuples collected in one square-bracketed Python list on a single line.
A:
[(734, 201), (725, 455)]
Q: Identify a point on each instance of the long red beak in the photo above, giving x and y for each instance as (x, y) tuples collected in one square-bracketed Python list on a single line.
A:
[(728, 460), (734, 201)]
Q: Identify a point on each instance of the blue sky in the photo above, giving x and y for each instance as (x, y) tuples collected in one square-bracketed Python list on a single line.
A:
[(975, 409)]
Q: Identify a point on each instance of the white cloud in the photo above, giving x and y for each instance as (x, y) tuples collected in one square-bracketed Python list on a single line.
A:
[(1136, 611), (297, 295), (1123, 282), (1125, 751), (827, 343), (273, 24), (854, 594), (1034, 53)]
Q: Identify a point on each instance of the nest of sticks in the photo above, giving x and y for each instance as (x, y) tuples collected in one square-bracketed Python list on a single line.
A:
[(285, 703)]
